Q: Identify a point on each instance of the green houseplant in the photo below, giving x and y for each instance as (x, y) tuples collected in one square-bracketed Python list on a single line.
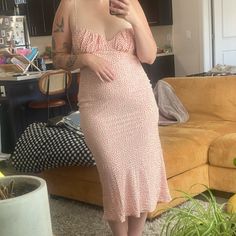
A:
[(197, 220), (24, 206)]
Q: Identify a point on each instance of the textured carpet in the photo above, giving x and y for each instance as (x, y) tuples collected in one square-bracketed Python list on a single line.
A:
[(72, 218)]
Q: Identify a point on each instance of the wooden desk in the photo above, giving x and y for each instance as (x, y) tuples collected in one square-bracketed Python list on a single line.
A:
[(14, 114)]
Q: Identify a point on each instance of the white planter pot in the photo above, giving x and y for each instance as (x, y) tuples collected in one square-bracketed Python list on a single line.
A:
[(28, 214)]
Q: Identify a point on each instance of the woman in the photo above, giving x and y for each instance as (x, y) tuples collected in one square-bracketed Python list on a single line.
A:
[(119, 116)]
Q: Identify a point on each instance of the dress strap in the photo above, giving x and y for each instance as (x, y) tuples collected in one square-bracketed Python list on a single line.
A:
[(74, 17)]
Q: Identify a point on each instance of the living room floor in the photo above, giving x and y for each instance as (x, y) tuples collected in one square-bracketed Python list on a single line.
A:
[(221, 197)]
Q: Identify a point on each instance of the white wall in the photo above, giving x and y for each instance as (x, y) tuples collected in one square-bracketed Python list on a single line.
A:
[(162, 35), (191, 32), (41, 42)]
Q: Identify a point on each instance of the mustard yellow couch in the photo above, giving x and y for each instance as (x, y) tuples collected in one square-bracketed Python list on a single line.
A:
[(200, 151)]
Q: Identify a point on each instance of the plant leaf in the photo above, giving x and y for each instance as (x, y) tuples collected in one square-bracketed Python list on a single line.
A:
[(234, 161)]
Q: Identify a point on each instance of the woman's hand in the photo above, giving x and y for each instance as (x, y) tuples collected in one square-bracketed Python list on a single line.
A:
[(125, 9), (99, 66)]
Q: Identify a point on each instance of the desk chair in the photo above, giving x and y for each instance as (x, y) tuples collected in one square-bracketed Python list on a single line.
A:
[(54, 87)]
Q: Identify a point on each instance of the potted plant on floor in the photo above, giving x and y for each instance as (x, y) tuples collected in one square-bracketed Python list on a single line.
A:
[(24, 206), (197, 219)]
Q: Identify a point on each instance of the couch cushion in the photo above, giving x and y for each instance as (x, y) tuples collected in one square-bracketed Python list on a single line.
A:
[(222, 151), (185, 148), (221, 127), (207, 98)]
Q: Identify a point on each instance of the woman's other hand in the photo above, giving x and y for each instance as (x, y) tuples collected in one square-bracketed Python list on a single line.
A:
[(99, 66), (125, 9)]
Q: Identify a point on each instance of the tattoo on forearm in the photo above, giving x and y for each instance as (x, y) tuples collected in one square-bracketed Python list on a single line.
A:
[(71, 61), (59, 26)]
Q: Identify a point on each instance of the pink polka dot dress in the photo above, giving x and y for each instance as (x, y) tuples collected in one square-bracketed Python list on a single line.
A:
[(120, 123)]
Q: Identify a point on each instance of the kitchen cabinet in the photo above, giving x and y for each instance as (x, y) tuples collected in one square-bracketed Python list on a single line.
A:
[(56, 4), (35, 17), (150, 9), (158, 12), (161, 68), (7, 7), (39, 22), (40, 15), (164, 12)]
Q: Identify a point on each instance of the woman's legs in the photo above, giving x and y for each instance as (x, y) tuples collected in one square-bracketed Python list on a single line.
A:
[(133, 226), (136, 225), (118, 228)]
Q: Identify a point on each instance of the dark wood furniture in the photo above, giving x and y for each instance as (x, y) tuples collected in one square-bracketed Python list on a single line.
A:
[(7, 7), (158, 12), (14, 113), (40, 13), (162, 67)]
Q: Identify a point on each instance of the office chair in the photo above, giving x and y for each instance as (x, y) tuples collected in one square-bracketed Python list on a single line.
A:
[(54, 87)]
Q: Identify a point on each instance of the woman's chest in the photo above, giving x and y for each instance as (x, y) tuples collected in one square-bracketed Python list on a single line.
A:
[(94, 15)]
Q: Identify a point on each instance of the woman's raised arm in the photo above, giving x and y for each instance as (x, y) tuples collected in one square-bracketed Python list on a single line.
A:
[(132, 12)]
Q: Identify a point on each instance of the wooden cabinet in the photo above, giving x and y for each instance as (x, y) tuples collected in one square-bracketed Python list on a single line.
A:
[(56, 4), (164, 12), (35, 17), (150, 9), (161, 68), (40, 15), (158, 12), (7, 7)]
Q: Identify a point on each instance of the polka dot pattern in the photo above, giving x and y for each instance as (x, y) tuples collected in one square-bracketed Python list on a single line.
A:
[(119, 120), (40, 148)]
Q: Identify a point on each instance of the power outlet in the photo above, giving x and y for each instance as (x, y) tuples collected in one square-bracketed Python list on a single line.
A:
[(2, 91)]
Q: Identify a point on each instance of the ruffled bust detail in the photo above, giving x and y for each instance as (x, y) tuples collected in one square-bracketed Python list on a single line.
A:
[(87, 41)]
